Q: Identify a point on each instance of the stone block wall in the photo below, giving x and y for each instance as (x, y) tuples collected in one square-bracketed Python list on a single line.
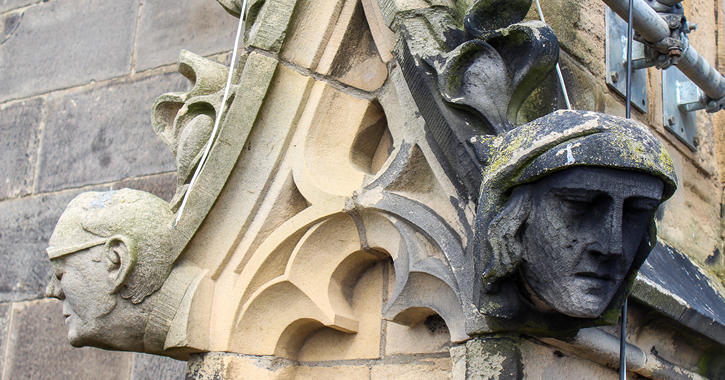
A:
[(78, 79)]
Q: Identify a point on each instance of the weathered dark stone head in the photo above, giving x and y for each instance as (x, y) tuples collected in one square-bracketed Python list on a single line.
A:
[(566, 212), (110, 252)]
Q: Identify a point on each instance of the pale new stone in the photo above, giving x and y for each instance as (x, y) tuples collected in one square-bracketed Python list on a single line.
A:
[(425, 337), (347, 56), (422, 369), (310, 30), (328, 344), (332, 373)]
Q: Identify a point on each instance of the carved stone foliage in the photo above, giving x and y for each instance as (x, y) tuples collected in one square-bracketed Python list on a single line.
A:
[(330, 164)]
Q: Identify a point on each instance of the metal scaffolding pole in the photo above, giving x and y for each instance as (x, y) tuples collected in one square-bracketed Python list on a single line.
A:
[(653, 29)]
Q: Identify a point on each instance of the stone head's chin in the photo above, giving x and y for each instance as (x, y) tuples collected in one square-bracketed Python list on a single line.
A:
[(585, 297)]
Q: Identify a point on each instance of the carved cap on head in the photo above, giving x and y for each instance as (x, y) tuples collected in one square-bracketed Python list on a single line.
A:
[(560, 140), (141, 217), (567, 138)]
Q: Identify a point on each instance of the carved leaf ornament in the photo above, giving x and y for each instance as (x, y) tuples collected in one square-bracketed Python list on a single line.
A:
[(311, 185)]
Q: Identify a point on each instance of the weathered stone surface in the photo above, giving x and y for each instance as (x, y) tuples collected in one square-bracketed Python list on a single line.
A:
[(152, 367), (670, 283), (220, 365), (165, 27), (38, 349), (333, 373), (431, 336), (19, 129), (104, 134), (53, 45), (6, 5), (160, 185), (424, 369), (4, 321), (25, 227), (579, 25)]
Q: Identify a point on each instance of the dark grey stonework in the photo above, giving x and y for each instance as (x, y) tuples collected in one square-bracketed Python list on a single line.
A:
[(6, 5), (19, 129), (667, 279), (59, 44), (161, 185), (165, 28), (4, 321), (38, 349), (152, 367), (25, 227), (104, 135)]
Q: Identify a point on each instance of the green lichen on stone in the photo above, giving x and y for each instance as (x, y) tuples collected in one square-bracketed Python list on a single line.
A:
[(712, 364)]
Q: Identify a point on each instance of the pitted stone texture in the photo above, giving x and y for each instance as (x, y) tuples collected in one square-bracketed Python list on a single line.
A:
[(4, 321), (430, 336), (60, 44), (423, 369), (166, 27), (579, 26), (349, 372), (38, 349), (25, 227), (104, 134), (153, 367), (6, 5), (19, 129)]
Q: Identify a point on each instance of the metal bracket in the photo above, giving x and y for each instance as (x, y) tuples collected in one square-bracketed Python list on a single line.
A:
[(616, 41), (680, 96)]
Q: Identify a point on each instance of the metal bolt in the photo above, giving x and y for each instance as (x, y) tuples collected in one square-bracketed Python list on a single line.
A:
[(695, 142), (671, 121), (615, 77)]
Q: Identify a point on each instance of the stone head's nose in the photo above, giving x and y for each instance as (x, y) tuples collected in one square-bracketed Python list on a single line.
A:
[(54, 290)]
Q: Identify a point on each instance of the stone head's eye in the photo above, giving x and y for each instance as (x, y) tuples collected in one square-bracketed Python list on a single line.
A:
[(578, 205), (636, 210)]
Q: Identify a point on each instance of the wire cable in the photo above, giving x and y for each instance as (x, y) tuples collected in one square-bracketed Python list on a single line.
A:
[(558, 69), (240, 31)]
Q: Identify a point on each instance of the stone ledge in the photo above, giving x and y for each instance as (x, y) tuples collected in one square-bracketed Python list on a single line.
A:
[(673, 285)]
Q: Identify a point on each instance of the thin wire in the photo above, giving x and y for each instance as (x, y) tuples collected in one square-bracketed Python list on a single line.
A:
[(240, 31), (623, 336), (558, 69), (623, 345)]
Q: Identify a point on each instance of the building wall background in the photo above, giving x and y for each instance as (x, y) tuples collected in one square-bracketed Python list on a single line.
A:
[(78, 79)]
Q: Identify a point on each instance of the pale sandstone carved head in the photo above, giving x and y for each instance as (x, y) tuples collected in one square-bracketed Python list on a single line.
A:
[(110, 254), (567, 210)]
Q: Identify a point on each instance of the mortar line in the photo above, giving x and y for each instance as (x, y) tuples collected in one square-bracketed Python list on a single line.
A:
[(7, 342), (21, 8), (135, 37), (384, 301), (164, 69), (108, 184), (346, 88), (38, 151)]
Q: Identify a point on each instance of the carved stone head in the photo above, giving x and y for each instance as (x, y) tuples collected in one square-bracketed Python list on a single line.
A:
[(566, 213), (110, 252)]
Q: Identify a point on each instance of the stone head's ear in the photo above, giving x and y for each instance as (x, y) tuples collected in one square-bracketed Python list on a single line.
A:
[(121, 255)]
